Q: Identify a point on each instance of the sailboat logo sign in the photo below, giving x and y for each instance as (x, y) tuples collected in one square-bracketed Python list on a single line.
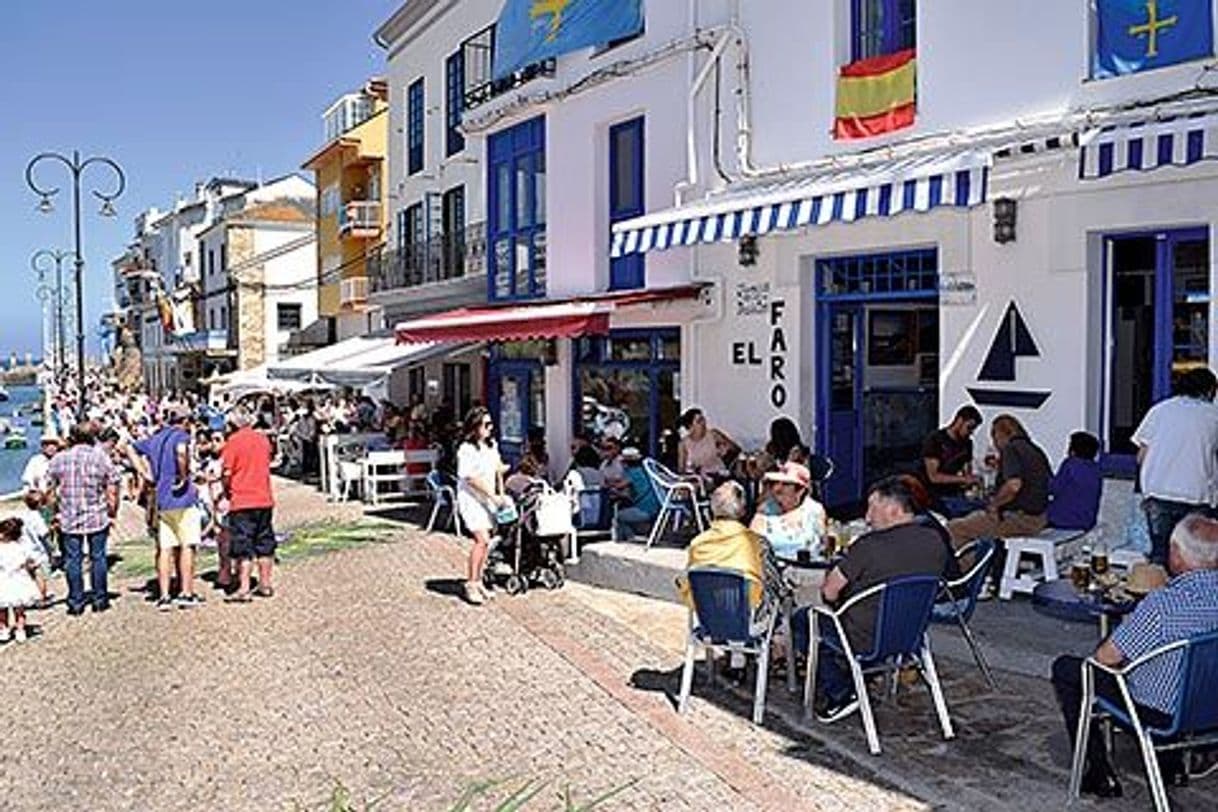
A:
[(1012, 341)]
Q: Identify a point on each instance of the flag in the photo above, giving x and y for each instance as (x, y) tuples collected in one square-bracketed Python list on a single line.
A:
[(529, 31), (875, 95), (1138, 35)]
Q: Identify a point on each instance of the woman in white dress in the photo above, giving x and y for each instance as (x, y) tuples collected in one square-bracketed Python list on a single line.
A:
[(479, 470), (17, 588)]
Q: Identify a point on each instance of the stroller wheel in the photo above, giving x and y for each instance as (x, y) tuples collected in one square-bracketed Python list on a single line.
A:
[(550, 579), (515, 585)]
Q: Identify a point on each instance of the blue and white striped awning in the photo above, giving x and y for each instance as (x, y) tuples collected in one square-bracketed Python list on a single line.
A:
[(1143, 146), (918, 183)]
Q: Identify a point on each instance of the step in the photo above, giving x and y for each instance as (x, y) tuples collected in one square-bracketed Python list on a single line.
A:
[(630, 567)]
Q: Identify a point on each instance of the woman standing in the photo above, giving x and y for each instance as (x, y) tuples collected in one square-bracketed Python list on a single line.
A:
[(479, 469)]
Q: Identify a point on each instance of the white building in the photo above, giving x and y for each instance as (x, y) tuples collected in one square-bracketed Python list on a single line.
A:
[(870, 297)]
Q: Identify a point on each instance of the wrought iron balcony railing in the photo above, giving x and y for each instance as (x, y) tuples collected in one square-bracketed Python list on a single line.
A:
[(477, 54), (444, 257)]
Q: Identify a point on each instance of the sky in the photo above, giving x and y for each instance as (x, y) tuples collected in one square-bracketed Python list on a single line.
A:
[(175, 92)]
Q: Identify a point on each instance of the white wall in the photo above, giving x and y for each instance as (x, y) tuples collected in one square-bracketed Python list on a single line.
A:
[(291, 278)]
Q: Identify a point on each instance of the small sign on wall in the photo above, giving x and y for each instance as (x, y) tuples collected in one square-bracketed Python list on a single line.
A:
[(959, 288), (752, 299)]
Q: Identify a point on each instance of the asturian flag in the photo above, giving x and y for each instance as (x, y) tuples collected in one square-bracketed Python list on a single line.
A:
[(1138, 35), (530, 31)]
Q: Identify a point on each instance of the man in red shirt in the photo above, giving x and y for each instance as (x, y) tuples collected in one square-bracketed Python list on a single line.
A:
[(246, 461)]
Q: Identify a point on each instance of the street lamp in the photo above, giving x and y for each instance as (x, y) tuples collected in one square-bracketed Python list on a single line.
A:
[(41, 269), (76, 167), (45, 294)]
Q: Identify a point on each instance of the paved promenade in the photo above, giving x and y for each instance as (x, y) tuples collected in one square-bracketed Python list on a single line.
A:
[(366, 672)]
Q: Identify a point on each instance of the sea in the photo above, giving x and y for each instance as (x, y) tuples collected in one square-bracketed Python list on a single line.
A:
[(23, 406)]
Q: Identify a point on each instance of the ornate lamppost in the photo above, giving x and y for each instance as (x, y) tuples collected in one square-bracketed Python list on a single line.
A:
[(42, 268), (76, 166)]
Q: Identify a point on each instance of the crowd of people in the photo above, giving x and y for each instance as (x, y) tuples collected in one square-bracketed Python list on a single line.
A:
[(201, 475)]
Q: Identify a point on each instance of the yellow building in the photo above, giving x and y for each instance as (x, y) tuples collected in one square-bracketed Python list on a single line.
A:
[(351, 204)]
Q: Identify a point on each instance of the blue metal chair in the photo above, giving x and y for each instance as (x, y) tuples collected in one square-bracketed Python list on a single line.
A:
[(958, 598), (723, 619), (1194, 720), (677, 497), (900, 639), (443, 492)]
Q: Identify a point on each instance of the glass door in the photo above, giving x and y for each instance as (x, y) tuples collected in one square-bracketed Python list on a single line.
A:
[(841, 394)]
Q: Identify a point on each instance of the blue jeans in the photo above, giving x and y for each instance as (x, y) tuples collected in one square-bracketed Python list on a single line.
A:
[(1162, 516), (73, 554), (632, 520)]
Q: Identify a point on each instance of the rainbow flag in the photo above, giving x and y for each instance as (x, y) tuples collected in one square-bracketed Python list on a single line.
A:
[(875, 96)]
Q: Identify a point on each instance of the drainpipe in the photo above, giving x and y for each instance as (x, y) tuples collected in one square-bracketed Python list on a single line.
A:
[(691, 142)]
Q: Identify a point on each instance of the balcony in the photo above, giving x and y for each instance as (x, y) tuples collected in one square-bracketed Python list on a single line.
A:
[(445, 257), (353, 292), (208, 341), (477, 54), (360, 220)]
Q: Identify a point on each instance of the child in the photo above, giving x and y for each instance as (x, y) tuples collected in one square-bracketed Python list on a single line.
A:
[(36, 536), (1074, 491), (17, 588)]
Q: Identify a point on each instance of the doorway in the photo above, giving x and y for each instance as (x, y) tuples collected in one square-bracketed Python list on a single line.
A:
[(516, 387), (1157, 306), (878, 366)]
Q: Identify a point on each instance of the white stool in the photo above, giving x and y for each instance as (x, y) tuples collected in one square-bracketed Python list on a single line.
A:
[(1049, 546)]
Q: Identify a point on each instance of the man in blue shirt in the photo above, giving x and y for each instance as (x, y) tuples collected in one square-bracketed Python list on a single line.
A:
[(164, 459), (1074, 491), (637, 516), (1185, 608)]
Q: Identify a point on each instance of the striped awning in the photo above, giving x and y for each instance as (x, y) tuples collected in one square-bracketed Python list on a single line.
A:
[(917, 183), (1143, 146)]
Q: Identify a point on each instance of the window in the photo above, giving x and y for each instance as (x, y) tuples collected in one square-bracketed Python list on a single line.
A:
[(1158, 326), (457, 389), (288, 315), (627, 385), (416, 384), (211, 319), (881, 27), (452, 222), (901, 274), (626, 197), (454, 95), (414, 127), (329, 200), (516, 212), (223, 257)]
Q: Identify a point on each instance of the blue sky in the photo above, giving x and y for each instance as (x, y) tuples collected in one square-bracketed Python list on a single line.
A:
[(175, 92)]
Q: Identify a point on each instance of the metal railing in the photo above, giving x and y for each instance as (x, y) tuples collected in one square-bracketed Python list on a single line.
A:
[(478, 54), (353, 291), (362, 217), (446, 256)]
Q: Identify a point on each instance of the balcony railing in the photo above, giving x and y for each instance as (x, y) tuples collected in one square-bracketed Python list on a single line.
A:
[(353, 291), (448, 256), (360, 218), (477, 54)]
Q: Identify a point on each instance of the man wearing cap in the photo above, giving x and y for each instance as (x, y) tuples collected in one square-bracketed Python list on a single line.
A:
[(34, 477), (164, 460), (636, 517)]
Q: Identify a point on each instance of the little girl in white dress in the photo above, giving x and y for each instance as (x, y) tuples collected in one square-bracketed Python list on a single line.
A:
[(17, 587)]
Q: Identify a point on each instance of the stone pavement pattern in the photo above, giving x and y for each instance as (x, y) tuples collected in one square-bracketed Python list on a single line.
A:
[(365, 669)]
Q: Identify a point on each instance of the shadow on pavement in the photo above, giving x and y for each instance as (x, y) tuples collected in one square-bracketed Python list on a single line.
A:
[(449, 587)]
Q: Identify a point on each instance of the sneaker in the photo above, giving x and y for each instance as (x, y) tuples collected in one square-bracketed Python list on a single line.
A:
[(5, 634), (1201, 765), (486, 592), (164, 604), (20, 636), (473, 594), (188, 601), (829, 711)]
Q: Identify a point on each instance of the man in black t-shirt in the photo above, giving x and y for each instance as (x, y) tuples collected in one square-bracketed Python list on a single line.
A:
[(947, 456), (896, 546)]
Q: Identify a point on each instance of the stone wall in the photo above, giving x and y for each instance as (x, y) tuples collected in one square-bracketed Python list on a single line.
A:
[(250, 304)]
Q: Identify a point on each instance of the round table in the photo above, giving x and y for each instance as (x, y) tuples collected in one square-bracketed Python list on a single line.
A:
[(1061, 600)]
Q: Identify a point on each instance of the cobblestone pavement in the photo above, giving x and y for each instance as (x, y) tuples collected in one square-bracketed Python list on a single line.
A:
[(366, 670)]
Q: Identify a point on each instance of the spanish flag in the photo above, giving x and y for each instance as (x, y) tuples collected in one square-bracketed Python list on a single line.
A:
[(875, 96)]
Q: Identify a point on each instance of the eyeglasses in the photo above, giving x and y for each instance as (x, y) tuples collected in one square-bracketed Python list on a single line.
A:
[(486, 424)]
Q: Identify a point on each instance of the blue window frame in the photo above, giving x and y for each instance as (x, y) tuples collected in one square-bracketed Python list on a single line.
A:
[(881, 27), (626, 195), (516, 212), (896, 275), (414, 127), (627, 384), (454, 92)]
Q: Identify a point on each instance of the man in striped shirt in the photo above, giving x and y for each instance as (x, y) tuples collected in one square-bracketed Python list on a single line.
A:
[(1185, 608), (85, 486)]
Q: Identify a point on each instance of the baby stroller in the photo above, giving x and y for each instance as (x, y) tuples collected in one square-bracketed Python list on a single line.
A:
[(529, 548)]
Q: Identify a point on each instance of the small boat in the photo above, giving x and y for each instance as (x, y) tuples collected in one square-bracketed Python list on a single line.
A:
[(6, 426), (3, 394), (16, 440)]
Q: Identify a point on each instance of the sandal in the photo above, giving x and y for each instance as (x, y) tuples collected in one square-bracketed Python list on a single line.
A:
[(264, 592), (239, 597)]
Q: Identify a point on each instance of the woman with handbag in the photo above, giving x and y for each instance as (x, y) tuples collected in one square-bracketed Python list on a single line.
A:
[(479, 497)]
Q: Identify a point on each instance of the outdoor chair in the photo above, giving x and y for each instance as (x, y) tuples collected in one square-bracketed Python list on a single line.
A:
[(443, 495), (594, 515), (1194, 720), (900, 639), (677, 497), (723, 620), (350, 472), (958, 598)]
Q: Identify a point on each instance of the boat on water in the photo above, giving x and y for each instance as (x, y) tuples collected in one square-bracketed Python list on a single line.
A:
[(3, 394), (16, 440)]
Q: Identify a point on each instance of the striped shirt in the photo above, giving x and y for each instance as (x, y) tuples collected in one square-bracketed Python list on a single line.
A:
[(81, 476), (1186, 607)]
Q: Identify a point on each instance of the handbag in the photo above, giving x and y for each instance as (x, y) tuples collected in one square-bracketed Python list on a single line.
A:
[(507, 514)]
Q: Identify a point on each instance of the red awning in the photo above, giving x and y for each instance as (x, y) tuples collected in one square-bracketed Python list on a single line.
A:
[(566, 318)]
